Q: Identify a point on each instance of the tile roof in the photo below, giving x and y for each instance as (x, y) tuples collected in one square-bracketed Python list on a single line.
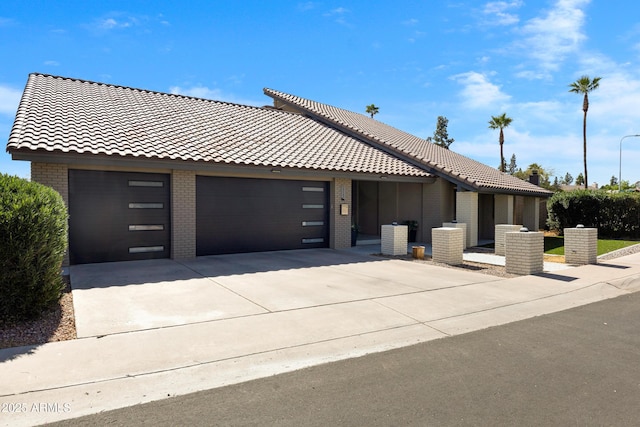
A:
[(435, 158), (65, 115)]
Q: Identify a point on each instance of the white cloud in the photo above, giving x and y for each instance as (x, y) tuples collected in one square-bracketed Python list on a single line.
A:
[(550, 38), (9, 100), (51, 63), (102, 25), (496, 12), (478, 91), (339, 15)]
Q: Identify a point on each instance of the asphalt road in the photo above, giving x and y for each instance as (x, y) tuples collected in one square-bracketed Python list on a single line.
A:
[(580, 367)]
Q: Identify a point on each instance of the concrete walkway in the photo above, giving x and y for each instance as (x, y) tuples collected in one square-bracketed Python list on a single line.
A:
[(154, 329)]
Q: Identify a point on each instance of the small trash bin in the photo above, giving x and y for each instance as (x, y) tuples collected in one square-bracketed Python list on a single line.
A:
[(418, 252)]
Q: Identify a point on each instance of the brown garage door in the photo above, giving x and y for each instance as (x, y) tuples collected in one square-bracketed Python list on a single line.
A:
[(118, 216), (250, 215)]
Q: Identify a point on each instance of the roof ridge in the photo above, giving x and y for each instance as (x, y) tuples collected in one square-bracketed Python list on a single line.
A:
[(155, 92)]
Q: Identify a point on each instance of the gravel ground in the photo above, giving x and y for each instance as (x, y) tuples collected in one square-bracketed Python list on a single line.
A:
[(58, 323)]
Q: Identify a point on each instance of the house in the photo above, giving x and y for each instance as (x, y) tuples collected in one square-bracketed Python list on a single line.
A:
[(155, 175)]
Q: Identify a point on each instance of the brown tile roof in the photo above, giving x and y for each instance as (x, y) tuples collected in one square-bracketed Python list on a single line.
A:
[(435, 158), (64, 115)]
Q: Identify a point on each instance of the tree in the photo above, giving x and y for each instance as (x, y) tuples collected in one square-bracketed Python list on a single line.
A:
[(614, 181), (568, 179), (500, 122), (580, 179), (543, 175), (372, 109), (585, 85), (441, 136), (511, 169)]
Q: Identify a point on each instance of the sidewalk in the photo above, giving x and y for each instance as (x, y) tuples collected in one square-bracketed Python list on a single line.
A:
[(73, 378)]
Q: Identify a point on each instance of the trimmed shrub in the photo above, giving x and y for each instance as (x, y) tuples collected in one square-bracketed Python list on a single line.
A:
[(33, 239), (615, 215)]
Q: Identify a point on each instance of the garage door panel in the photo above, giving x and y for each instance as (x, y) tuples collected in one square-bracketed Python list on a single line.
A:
[(249, 215), (118, 216)]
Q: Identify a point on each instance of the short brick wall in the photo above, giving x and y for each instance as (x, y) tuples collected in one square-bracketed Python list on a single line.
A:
[(460, 225), (394, 239), (501, 229), (446, 245), (524, 252), (581, 245)]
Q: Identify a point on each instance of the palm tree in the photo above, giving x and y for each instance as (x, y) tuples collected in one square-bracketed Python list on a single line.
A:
[(585, 85), (500, 122), (372, 109)]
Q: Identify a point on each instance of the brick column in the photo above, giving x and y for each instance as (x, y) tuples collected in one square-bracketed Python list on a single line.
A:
[(340, 225), (55, 176), (460, 225), (467, 212), (183, 214), (524, 252), (581, 245), (394, 239), (447, 245), (501, 230)]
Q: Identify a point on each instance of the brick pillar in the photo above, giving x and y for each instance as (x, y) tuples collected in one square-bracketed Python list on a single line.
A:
[(524, 252), (581, 245), (504, 204), (183, 214), (467, 212), (460, 225), (55, 176), (447, 245), (394, 239), (340, 224), (501, 230)]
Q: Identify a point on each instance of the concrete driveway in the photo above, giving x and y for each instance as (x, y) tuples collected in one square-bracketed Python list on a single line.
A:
[(162, 328), (133, 296), (136, 295)]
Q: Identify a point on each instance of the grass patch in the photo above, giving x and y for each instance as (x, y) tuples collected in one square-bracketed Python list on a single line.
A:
[(555, 245)]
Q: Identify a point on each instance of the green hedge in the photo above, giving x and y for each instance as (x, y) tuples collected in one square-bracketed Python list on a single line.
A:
[(615, 215), (33, 239)]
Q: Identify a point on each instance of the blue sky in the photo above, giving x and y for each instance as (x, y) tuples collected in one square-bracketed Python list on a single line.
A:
[(416, 60)]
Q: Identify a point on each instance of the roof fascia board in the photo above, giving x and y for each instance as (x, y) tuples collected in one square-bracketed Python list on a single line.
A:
[(217, 168)]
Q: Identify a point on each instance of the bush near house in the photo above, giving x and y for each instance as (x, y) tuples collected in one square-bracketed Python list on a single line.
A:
[(615, 215), (33, 239)]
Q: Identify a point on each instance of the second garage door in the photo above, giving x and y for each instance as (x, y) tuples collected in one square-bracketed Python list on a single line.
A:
[(250, 215)]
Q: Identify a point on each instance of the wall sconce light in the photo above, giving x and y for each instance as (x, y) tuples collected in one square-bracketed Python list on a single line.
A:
[(342, 193)]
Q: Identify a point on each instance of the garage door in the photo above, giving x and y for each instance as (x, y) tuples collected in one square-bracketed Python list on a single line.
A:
[(118, 216), (250, 215)]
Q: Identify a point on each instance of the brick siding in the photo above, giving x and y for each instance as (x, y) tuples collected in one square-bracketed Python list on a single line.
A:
[(183, 214), (56, 176)]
